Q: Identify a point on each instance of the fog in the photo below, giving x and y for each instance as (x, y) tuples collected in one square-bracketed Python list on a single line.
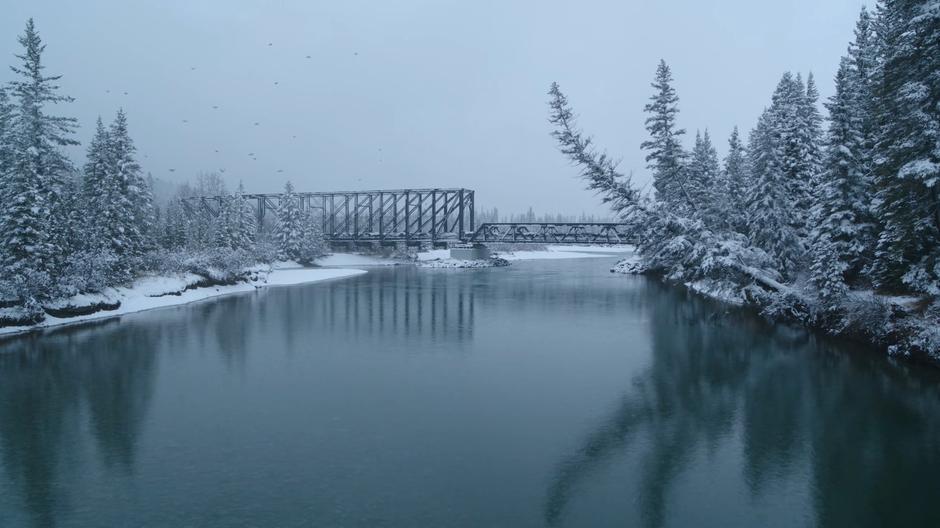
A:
[(367, 95)]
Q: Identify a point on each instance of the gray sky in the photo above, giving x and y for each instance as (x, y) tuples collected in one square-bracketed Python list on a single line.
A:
[(418, 93)]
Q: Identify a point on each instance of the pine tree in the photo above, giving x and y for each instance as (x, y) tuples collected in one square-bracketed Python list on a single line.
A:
[(37, 166), (235, 225), (312, 245), (736, 181), (289, 228), (769, 201), (6, 123), (94, 192), (122, 205), (907, 161), (247, 223), (665, 156), (841, 233), (173, 228), (705, 181), (812, 123)]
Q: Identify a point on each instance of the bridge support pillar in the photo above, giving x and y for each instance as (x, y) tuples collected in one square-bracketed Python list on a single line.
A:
[(475, 252)]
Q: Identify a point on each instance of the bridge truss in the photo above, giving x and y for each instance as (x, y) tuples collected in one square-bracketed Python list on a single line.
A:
[(415, 216), (402, 215), (551, 233)]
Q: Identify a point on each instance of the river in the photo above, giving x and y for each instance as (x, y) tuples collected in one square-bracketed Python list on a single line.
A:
[(549, 393)]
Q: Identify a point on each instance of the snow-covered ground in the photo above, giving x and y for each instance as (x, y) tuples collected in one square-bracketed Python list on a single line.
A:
[(159, 292), (353, 259), (566, 252), (450, 263), (551, 252)]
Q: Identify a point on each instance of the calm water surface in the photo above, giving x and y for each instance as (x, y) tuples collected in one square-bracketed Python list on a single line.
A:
[(550, 393)]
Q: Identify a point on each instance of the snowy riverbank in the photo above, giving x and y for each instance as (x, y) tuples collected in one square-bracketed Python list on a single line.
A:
[(148, 293), (440, 258)]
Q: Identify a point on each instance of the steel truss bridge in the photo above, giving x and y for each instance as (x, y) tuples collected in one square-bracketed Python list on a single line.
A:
[(413, 216), (551, 233)]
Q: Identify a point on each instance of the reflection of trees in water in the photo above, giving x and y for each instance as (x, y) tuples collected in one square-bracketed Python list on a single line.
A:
[(869, 430), (411, 304), (48, 383)]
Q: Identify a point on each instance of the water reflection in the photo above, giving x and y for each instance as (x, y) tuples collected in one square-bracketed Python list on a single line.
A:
[(51, 384), (868, 431), (388, 397)]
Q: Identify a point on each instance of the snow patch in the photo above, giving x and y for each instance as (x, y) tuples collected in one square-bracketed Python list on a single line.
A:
[(160, 292), (457, 263), (353, 259)]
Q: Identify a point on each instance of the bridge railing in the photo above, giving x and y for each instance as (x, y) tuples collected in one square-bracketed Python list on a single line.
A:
[(551, 233)]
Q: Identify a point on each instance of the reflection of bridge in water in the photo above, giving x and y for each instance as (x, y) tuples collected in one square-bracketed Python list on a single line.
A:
[(414, 216)]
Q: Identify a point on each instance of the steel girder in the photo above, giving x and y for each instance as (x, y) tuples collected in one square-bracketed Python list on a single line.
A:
[(551, 233), (384, 215)]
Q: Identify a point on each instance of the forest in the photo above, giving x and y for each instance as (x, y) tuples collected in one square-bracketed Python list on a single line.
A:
[(66, 230), (831, 221)]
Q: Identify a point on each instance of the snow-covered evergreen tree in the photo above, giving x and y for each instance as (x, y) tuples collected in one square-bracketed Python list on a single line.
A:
[(782, 153), (173, 226), (6, 123), (289, 228), (94, 190), (841, 210), (736, 182), (236, 225), (665, 156), (120, 209), (907, 158), (36, 168), (706, 182), (769, 203), (129, 193), (312, 245), (812, 132)]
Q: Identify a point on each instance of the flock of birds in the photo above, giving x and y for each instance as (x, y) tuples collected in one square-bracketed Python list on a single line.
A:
[(251, 155)]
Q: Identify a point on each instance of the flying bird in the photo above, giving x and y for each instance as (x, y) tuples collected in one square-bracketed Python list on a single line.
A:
[(125, 93), (257, 123), (215, 107), (280, 170), (308, 56), (172, 170), (275, 83), (270, 43)]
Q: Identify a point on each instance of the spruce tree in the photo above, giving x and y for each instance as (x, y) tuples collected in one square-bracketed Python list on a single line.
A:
[(312, 245), (36, 168), (94, 191), (705, 181), (841, 233), (247, 222), (769, 200), (125, 201), (6, 123), (736, 181), (907, 161), (289, 228), (235, 225), (665, 156), (173, 226)]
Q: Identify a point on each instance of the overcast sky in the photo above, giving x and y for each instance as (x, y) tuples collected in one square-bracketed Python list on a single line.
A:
[(373, 95)]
